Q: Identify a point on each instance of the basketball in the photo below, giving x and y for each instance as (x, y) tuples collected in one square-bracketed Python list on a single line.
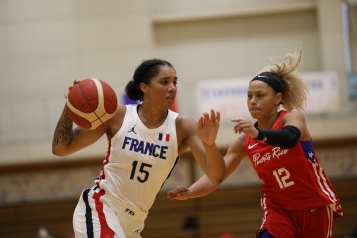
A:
[(91, 103)]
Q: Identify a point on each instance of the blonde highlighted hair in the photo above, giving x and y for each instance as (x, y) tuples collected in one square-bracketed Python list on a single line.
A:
[(295, 89)]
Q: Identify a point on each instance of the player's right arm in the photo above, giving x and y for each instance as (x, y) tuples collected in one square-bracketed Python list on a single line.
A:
[(66, 140), (204, 185)]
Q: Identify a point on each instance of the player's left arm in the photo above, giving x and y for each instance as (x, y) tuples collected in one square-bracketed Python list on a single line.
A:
[(204, 185), (297, 119), (293, 130), (208, 156)]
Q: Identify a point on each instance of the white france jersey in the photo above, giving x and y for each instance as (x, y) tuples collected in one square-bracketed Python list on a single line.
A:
[(139, 160)]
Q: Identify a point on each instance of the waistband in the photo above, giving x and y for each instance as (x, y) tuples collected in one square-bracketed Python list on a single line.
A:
[(117, 205)]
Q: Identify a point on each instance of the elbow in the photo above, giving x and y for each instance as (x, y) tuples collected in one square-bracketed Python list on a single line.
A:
[(218, 179), (293, 135), (59, 153), (56, 153), (218, 176), (291, 143), (217, 182)]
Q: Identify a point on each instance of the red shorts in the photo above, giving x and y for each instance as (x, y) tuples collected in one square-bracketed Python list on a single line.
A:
[(281, 223)]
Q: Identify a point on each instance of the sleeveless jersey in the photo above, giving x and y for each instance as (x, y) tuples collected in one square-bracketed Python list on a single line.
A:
[(139, 160), (292, 177)]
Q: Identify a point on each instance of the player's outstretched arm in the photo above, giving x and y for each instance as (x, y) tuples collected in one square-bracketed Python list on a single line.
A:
[(200, 138), (207, 129), (204, 185), (208, 126)]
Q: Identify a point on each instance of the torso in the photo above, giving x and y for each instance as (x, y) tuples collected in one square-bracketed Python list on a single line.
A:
[(292, 177), (139, 159)]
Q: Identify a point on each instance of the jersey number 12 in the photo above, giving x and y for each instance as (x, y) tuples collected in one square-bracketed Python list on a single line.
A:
[(281, 177)]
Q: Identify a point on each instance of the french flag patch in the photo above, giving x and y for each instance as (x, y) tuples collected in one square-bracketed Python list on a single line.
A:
[(164, 137)]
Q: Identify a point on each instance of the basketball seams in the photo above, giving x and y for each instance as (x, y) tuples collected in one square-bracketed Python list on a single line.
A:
[(88, 94), (98, 116), (84, 115), (100, 110)]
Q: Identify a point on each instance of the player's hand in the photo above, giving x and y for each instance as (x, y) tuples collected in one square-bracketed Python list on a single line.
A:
[(244, 126), (179, 193), (70, 87), (208, 126)]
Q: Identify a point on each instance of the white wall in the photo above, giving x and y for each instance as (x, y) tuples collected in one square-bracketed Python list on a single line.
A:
[(46, 44), (235, 47)]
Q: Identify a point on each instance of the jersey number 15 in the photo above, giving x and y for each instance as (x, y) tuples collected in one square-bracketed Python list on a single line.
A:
[(141, 170)]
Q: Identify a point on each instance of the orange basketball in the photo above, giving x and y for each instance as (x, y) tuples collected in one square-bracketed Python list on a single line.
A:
[(91, 103)]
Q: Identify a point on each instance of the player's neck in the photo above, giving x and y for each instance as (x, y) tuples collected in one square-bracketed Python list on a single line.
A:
[(151, 117), (267, 123)]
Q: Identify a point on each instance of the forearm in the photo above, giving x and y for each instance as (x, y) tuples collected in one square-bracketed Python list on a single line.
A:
[(285, 138), (215, 165), (202, 187), (63, 134)]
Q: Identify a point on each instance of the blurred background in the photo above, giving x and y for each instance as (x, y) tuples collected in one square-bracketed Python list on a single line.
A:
[(215, 47)]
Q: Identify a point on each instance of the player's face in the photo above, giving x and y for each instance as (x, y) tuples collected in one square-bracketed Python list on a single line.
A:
[(162, 89), (262, 100)]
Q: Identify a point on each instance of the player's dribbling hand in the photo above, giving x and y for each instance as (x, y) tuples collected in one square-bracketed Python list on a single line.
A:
[(70, 87), (208, 126), (179, 193)]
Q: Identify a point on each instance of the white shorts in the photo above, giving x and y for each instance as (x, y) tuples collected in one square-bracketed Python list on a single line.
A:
[(96, 217)]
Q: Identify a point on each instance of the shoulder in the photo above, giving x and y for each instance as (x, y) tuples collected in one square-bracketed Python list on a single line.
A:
[(185, 122), (297, 119), (121, 110), (186, 128), (239, 143), (236, 148), (292, 115), (118, 118), (242, 137)]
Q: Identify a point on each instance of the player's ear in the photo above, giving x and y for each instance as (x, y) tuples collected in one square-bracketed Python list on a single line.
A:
[(278, 98), (144, 88)]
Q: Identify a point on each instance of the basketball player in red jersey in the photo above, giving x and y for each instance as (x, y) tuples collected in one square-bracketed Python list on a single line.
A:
[(299, 200)]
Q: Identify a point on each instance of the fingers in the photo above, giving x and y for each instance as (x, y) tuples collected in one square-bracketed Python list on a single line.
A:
[(242, 125), (213, 116), (205, 116), (218, 117), (178, 196), (176, 190), (70, 87), (179, 193), (237, 119), (76, 81), (236, 127), (239, 127)]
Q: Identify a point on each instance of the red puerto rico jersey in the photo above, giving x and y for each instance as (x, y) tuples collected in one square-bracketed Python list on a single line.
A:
[(292, 177)]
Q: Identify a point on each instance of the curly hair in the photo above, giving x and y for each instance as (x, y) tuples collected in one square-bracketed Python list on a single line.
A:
[(143, 74), (295, 89)]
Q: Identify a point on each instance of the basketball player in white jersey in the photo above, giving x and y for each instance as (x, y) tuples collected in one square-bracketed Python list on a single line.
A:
[(145, 142)]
